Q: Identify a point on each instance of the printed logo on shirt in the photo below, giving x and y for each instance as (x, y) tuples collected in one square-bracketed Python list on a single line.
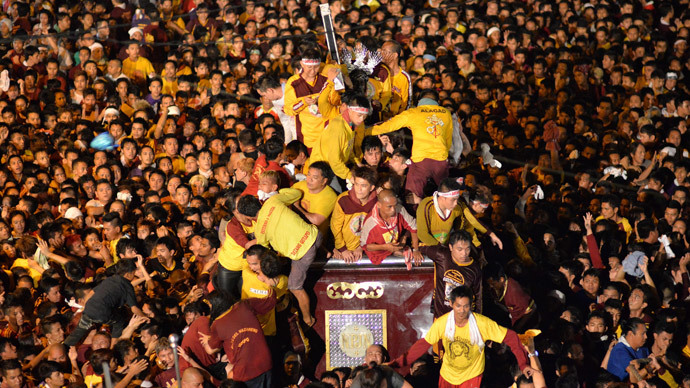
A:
[(460, 348), (451, 279), (356, 224), (435, 125), (258, 292)]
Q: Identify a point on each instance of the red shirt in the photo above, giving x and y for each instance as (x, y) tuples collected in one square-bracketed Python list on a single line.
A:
[(516, 300), (239, 332), (377, 231), (191, 344), (259, 167)]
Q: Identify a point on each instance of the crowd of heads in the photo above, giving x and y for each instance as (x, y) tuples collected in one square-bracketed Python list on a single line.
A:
[(585, 105)]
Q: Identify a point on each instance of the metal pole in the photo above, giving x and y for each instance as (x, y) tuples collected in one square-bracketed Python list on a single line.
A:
[(106, 374), (173, 338)]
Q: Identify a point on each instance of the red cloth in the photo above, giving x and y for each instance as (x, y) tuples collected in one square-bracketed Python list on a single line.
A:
[(165, 377), (191, 344), (239, 332), (419, 173), (259, 167), (236, 232), (516, 300), (594, 254), (374, 229), (474, 382)]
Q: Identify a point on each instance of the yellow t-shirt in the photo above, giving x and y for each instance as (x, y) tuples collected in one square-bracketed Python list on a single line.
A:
[(321, 203), (113, 250), (311, 122), (432, 230), (432, 131), (624, 223), (275, 218), (24, 263), (177, 162), (231, 255), (462, 360), (335, 146), (252, 287), (346, 227), (142, 65), (401, 98)]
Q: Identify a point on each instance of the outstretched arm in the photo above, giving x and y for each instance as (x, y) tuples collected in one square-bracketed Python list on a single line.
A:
[(511, 339), (417, 350)]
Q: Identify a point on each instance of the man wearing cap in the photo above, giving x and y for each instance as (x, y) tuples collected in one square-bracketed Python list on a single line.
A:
[(136, 67), (305, 100), (432, 134), (336, 143), (76, 216)]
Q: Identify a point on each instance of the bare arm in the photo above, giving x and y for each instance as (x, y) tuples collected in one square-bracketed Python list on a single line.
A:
[(134, 369), (314, 218), (158, 132)]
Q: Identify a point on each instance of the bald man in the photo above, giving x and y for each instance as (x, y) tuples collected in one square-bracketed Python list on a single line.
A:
[(384, 230), (192, 378)]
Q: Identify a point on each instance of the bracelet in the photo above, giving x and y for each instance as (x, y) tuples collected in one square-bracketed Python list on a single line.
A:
[(535, 354)]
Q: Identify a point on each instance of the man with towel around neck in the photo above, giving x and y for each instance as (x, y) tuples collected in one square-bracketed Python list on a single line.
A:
[(463, 334)]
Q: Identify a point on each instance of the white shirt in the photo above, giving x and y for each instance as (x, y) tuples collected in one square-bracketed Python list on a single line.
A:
[(287, 121)]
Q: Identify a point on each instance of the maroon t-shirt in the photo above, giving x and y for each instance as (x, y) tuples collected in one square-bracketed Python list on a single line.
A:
[(448, 275), (516, 300), (239, 332), (191, 344)]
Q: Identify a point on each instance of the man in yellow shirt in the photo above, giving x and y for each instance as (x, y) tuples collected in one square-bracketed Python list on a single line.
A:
[(239, 236), (401, 97), (609, 210), (318, 198), (307, 99), (351, 208), (290, 236), (135, 67), (336, 143), (260, 276), (432, 136), (464, 334), (444, 211)]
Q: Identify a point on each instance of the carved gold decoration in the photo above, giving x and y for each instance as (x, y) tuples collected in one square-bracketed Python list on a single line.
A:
[(364, 290)]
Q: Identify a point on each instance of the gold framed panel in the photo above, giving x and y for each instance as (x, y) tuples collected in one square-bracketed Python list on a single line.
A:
[(350, 332)]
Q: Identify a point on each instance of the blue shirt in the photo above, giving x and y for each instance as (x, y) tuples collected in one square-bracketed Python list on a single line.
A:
[(620, 358)]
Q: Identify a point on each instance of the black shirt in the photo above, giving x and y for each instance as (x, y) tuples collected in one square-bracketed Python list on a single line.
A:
[(113, 293), (448, 275)]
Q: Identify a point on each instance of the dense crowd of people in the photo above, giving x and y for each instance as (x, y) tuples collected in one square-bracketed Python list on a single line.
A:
[(172, 169)]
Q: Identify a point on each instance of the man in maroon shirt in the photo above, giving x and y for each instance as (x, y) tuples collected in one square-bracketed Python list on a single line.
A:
[(454, 267), (508, 292), (234, 326), (192, 346)]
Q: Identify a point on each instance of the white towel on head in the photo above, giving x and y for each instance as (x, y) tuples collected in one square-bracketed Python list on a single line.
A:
[(475, 335)]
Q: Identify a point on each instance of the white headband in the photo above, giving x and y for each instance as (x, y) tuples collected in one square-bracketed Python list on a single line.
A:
[(111, 111), (311, 62), (358, 109), (449, 194)]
